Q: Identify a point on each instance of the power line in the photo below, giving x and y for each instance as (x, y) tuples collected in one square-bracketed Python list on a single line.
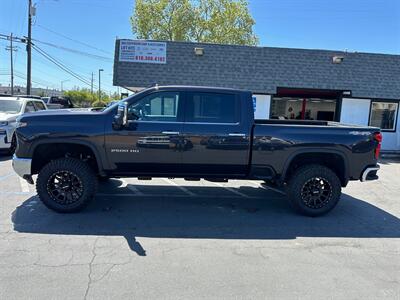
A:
[(21, 76), (54, 60), (73, 40), (95, 56), (60, 65)]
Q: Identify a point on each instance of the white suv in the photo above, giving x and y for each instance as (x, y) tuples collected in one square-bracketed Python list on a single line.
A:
[(10, 109)]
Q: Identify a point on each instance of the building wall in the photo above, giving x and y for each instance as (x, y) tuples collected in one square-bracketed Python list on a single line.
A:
[(391, 140), (355, 111), (264, 69), (263, 104)]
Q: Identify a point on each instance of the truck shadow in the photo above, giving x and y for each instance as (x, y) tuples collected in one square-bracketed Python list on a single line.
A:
[(4, 156), (207, 216)]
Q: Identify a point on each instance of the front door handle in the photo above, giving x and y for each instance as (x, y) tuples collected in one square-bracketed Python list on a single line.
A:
[(171, 132), (237, 134)]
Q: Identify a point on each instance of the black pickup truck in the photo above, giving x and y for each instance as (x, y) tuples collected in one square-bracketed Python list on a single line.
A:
[(192, 133)]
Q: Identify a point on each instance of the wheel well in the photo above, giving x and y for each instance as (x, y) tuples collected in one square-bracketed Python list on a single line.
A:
[(333, 161), (45, 153)]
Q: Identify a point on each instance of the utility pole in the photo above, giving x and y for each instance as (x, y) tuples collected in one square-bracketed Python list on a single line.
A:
[(100, 70), (31, 12), (11, 48)]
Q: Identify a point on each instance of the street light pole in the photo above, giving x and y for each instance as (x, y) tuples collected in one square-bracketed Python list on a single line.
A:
[(100, 70), (62, 81)]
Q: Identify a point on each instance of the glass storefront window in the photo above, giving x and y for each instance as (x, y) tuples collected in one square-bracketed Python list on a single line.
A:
[(300, 109), (383, 115)]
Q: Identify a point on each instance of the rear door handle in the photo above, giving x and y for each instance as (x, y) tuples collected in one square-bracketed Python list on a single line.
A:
[(237, 134), (170, 132)]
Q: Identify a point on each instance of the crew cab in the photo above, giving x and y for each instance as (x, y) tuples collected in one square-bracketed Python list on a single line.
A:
[(10, 109), (192, 133)]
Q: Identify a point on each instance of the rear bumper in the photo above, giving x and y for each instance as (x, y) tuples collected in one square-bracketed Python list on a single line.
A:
[(22, 166), (370, 173)]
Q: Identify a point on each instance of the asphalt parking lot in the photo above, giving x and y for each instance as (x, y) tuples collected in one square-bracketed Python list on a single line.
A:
[(172, 239)]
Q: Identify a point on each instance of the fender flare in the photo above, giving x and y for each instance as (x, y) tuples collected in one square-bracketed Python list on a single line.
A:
[(73, 142), (316, 151)]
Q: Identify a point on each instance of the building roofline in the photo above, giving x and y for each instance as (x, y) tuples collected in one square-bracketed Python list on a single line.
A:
[(333, 51)]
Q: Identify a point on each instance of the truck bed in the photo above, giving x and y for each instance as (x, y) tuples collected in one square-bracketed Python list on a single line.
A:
[(292, 122)]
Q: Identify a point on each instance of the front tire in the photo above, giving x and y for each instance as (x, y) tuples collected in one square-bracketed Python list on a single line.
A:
[(314, 190), (66, 185), (13, 145)]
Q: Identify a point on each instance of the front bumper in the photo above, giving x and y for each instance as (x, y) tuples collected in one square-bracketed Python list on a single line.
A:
[(4, 143), (6, 133), (370, 173), (22, 166)]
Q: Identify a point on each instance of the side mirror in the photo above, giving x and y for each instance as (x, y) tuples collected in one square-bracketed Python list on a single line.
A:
[(125, 117), (121, 118)]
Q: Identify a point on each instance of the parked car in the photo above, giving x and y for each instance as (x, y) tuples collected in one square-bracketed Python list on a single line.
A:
[(55, 102), (10, 109), (146, 136)]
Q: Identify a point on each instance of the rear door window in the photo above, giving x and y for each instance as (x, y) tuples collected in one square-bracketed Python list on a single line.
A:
[(29, 107), (212, 108), (39, 105)]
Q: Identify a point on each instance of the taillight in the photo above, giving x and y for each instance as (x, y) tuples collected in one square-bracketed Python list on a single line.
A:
[(378, 138)]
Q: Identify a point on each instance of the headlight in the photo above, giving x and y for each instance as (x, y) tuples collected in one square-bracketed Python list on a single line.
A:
[(3, 123)]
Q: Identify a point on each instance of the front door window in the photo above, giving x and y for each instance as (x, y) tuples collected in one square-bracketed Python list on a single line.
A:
[(161, 107)]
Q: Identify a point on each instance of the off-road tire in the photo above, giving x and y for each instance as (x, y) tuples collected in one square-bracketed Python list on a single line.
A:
[(327, 184), (13, 145), (85, 177)]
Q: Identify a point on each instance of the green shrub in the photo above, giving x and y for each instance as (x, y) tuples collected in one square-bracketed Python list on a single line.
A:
[(99, 103)]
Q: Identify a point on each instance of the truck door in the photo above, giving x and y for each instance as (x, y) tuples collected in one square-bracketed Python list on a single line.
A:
[(216, 139), (151, 142)]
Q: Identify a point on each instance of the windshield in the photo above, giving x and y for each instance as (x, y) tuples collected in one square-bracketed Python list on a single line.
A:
[(10, 106), (114, 105)]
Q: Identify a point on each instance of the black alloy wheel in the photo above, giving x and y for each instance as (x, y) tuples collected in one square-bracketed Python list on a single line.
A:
[(65, 187), (314, 190)]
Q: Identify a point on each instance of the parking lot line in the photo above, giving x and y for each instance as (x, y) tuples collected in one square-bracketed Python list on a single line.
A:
[(131, 187), (6, 176), (232, 190), (24, 185), (182, 188), (265, 187)]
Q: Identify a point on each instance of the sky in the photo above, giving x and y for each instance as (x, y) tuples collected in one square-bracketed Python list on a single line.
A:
[(91, 27)]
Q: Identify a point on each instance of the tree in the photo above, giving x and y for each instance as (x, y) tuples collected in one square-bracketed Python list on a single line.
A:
[(212, 21), (84, 97)]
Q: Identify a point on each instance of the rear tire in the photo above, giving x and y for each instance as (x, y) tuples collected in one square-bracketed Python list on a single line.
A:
[(314, 190), (66, 185)]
